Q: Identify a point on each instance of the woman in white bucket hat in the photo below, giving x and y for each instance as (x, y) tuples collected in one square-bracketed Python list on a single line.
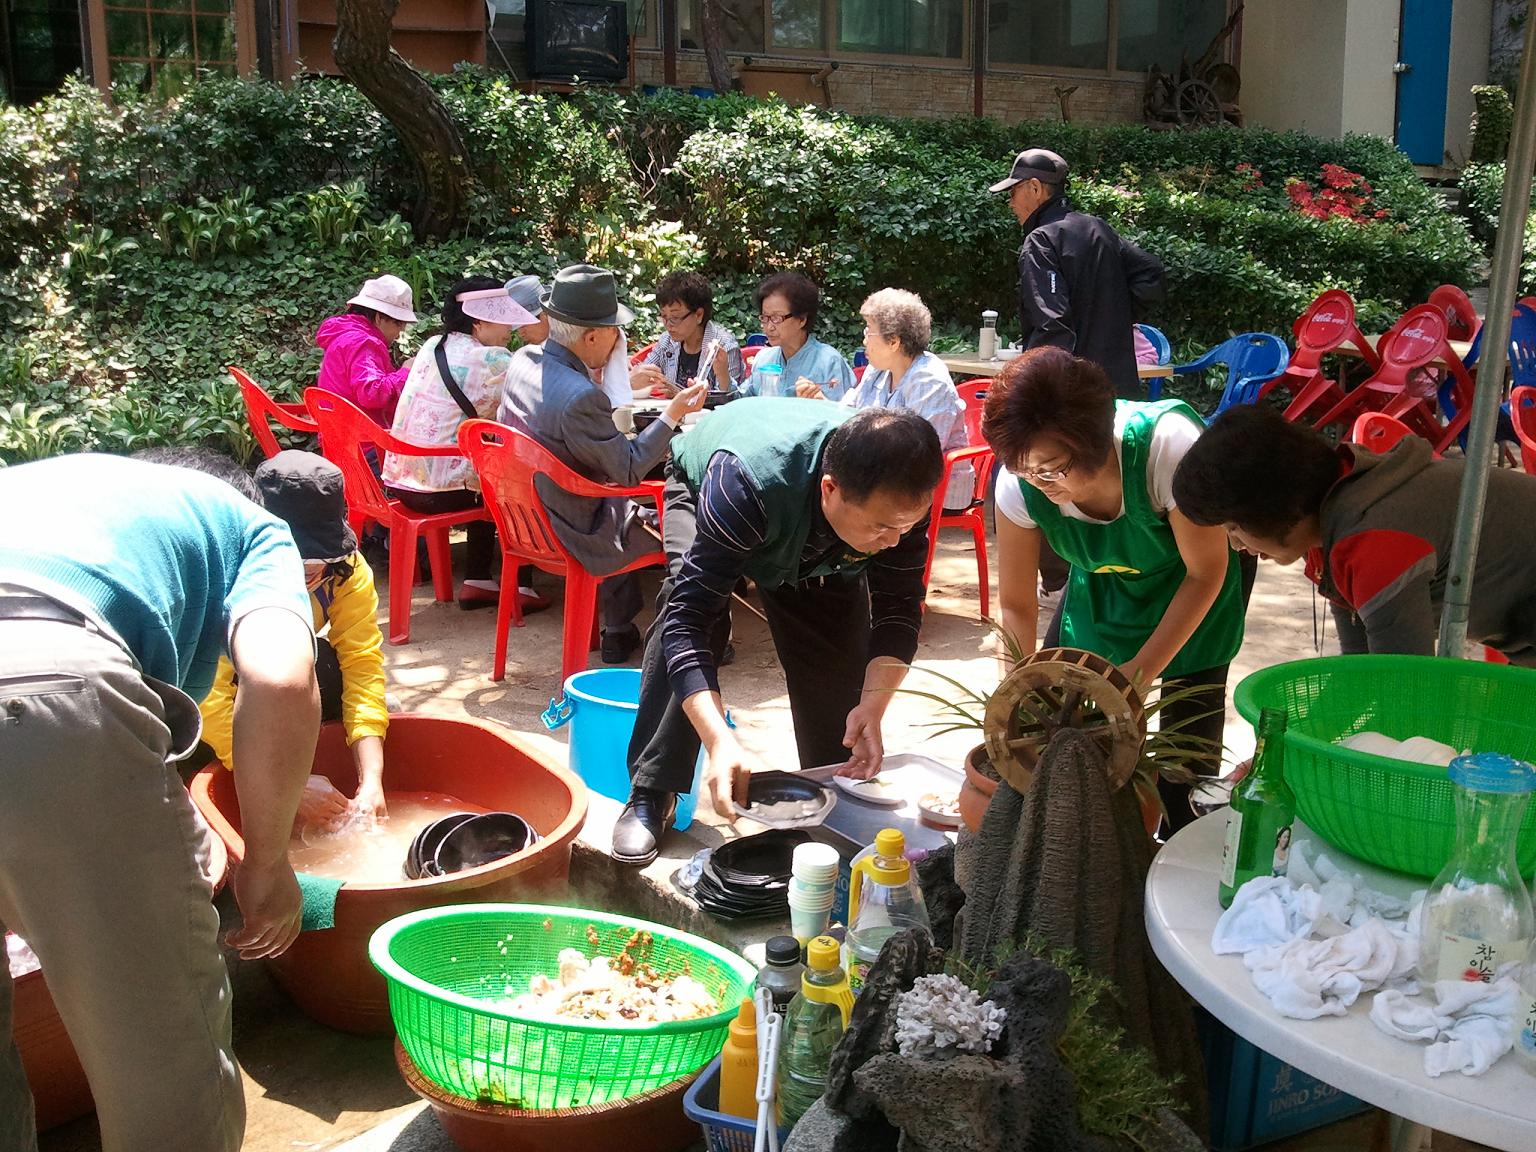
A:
[(455, 377), (357, 363)]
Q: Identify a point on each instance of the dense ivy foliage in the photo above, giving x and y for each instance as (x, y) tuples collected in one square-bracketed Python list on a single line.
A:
[(144, 246)]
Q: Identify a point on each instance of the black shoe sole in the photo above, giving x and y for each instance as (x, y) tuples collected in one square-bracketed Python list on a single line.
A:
[(634, 861)]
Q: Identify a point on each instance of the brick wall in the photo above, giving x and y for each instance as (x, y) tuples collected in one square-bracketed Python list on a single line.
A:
[(936, 93)]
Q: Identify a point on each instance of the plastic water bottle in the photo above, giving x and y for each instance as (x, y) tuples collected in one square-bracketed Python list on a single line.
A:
[(883, 899), (818, 1016), (781, 975), (770, 372)]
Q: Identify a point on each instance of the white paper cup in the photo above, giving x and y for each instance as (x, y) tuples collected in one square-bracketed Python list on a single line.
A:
[(806, 924), (811, 900)]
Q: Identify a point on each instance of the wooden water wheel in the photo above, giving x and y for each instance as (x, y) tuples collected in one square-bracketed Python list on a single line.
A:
[(1060, 688)]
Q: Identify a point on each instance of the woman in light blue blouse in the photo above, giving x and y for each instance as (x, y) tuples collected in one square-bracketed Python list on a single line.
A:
[(795, 363)]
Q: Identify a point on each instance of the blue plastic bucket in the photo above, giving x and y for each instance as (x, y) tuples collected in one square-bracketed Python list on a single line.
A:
[(600, 705)]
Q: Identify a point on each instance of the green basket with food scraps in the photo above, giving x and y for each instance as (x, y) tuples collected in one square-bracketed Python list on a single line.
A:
[(539, 1007), (1390, 811)]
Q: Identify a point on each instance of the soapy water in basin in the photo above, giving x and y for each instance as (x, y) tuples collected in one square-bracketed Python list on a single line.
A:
[(366, 851)]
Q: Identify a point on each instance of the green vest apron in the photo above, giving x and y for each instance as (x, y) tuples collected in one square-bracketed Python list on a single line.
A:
[(1125, 573), (779, 442)]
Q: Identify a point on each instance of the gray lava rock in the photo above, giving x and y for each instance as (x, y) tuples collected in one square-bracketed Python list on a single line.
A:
[(943, 897), (824, 1129)]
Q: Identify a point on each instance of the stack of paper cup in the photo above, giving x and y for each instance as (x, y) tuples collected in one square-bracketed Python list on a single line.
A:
[(812, 889)]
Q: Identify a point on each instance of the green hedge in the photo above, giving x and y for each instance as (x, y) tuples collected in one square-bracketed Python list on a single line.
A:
[(144, 246)]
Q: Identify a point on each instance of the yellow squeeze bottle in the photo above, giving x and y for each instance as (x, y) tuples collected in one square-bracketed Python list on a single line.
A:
[(738, 1065)]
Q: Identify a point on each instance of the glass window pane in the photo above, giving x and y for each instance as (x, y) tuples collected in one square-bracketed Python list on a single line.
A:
[(1162, 32), (1050, 33), (127, 35), (169, 5), (741, 25), (215, 38), (130, 74), (213, 6), (173, 79), (797, 24), (170, 37), (902, 27)]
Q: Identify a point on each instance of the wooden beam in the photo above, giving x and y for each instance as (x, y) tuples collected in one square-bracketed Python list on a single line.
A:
[(666, 28), (979, 18)]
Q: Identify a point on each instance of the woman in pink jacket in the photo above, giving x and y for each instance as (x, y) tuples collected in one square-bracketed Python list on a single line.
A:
[(357, 363)]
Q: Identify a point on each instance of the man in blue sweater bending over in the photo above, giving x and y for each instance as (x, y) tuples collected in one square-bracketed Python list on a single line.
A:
[(826, 510), (121, 584)]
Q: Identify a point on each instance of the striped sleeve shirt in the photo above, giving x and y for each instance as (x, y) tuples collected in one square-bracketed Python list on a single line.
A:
[(732, 523)]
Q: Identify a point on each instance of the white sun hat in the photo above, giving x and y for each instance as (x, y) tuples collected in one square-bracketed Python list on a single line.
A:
[(389, 295), (495, 306)]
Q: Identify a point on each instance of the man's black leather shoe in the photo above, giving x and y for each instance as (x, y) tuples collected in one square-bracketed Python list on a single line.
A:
[(645, 821)]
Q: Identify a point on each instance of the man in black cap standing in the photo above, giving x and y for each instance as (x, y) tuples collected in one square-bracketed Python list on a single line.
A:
[(1079, 281)]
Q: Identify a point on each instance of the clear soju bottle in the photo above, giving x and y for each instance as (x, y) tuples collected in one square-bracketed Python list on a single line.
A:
[(1260, 815)]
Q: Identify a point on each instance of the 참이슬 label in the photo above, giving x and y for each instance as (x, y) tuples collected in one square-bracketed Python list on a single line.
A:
[(1467, 958), (1229, 848)]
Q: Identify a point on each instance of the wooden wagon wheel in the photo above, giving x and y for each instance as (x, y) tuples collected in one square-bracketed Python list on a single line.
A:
[(1196, 104), (1060, 688)]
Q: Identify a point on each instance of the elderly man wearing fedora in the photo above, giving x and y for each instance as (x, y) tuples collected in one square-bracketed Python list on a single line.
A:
[(1079, 281), (550, 393), (357, 363)]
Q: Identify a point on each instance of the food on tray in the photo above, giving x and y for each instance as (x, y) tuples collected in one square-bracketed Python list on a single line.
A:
[(941, 805), (614, 989)]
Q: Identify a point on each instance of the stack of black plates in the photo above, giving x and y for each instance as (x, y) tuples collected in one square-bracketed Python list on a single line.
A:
[(466, 840), (749, 878)]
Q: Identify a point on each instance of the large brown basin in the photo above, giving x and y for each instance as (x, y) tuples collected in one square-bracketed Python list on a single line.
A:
[(327, 973)]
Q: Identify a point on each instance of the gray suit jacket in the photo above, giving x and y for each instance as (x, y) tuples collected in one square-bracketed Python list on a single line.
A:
[(549, 395)]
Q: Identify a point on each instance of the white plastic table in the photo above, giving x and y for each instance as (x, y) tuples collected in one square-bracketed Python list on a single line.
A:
[(1348, 1052)]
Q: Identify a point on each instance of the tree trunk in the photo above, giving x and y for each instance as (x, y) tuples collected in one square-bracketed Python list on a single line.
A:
[(363, 54), (714, 46)]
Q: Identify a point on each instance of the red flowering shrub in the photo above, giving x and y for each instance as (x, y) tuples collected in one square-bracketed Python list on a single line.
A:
[(1344, 194)]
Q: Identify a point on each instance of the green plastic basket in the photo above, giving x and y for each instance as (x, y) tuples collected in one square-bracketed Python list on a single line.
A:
[(445, 967), (1390, 812)]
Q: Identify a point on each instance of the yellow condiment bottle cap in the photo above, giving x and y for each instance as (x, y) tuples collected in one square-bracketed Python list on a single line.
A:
[(890, 842), (822, 954), (745, 1023)]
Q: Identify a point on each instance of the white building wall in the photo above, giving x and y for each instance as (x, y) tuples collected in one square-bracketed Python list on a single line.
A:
[(1293, 64), (1471, 32)]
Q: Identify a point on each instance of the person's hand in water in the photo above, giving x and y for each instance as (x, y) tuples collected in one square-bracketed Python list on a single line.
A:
[(322, 803)]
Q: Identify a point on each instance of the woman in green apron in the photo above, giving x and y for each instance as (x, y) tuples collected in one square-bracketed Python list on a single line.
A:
[(1156, 594)]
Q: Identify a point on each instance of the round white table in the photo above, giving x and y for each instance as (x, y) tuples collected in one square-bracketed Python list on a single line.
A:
[(1348, 1052)]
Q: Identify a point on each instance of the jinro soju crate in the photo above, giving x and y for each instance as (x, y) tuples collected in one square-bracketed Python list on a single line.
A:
[(1256, 1098)]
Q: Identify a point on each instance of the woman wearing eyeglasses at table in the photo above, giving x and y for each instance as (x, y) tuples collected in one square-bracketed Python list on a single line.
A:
[(686, 303), (795, 363), (1151, 591)]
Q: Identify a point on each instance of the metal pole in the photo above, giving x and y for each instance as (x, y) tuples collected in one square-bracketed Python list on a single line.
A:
[(1495, 356)]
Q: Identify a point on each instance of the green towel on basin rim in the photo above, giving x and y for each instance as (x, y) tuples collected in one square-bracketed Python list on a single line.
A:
[(319, 901)]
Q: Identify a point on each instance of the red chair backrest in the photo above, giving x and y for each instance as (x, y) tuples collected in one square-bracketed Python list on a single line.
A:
[(973, 393), (1461, 319), (1378, 432), (858, 373), (260, 408), (507, 459), (635, 359), (749, 353), (1326, 325), (1522, 414)]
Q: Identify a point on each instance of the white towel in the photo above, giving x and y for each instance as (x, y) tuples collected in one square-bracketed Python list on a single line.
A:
[(1266, 912), (1347, 900), (1415, 749), (615, 381), (1306, 979), (1469, 1027)]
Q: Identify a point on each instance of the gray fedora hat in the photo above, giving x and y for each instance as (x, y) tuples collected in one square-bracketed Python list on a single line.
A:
[(1034, 164), (586, 295)]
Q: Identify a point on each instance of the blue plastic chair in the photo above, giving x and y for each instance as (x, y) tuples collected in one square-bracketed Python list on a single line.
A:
[(1522, 371), (1158, 341), (860, 358), (756, 340), (1253, 359)]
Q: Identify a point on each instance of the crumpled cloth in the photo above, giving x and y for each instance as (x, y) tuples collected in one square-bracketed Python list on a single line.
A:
[(1305, 979), (1266, 912), (1469, 1027), (1347, 901)]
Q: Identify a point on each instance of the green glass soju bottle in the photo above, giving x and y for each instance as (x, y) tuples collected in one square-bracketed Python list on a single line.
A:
[(1260, 815)]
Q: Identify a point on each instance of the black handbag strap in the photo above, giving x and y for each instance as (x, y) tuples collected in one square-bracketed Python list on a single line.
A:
[(441, 355)]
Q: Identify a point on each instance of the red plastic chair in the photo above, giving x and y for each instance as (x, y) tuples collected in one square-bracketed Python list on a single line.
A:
[(260, 408), (635, 359), (858, 373), (347, 431), (1378, 432), (1461, 319), (749, 354), (972, 517), (1400, 389), (507, 461), (1326, 326), (1522, 412)]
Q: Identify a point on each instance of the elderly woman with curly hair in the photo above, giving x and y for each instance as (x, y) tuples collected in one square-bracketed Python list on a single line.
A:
[(902, 373), (795, 363), (1150, 590)]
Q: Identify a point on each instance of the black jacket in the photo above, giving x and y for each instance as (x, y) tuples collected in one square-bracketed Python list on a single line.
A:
[(1079, 283)]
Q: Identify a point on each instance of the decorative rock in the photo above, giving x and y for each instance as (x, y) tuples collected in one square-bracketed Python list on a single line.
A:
[(939, 1015), (942, 896), (824, 1129)]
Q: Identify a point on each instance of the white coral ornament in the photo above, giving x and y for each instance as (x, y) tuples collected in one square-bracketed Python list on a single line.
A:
[(940, 1013)]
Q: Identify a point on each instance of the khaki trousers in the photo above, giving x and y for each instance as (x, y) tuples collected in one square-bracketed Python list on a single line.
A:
[(104, 869)]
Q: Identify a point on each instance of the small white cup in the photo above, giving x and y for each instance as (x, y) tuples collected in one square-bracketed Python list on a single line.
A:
[(806, 924)]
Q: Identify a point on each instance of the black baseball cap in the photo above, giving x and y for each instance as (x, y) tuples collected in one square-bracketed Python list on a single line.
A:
[(1034, 164), (305, 490)]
